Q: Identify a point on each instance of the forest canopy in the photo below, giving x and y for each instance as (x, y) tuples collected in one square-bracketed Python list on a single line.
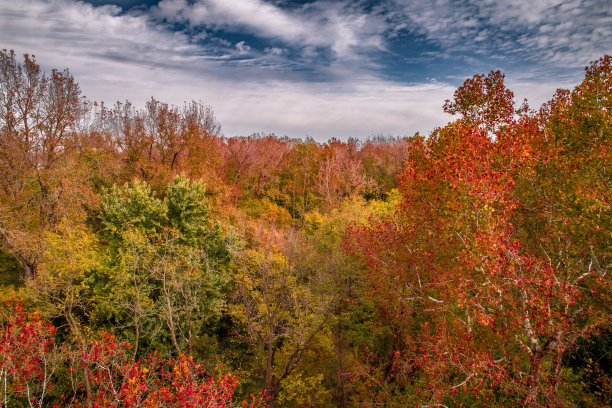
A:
[(148, 261)]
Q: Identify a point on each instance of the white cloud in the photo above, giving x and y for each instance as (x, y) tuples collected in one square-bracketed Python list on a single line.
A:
[(83, 37), (567, 32), (242, 47), (274, 51), (121, 56), (321, 24), (358, 110), (118, 56)]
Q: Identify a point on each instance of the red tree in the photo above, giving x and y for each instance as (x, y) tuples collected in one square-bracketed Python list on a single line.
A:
[(28, 355), (29, 358), (479, 309)]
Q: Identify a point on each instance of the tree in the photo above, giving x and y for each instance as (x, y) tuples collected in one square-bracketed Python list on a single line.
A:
[(477, 303), (154, 382), (167, 264), (281, 310), (163, 140), (40, 119), (252, 164), (484, 100), (297, 175), (340, 173), (28, 356), (383, 161)]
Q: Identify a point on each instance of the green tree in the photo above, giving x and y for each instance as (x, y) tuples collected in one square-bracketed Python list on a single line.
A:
[(166, 265)]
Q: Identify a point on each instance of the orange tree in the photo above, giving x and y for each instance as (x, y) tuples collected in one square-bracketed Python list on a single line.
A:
[(495, 263)]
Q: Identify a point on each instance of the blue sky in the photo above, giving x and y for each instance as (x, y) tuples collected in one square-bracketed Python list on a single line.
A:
[(316, 68)]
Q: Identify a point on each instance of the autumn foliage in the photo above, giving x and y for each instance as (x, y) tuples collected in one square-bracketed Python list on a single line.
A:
[(161, 264), (496, 273), (31, 357)]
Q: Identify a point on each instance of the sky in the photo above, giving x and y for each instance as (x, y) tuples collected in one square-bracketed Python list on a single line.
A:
[(310, 68)]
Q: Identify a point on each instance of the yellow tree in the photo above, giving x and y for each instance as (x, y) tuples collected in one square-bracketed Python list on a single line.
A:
[(40, 129), (282, 310)]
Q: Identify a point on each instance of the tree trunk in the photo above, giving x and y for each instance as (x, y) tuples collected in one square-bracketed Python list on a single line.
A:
[(533, 380)]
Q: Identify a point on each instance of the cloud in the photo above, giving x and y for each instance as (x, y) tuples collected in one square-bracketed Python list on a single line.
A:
[(242, 47), (330, 24), (261, 17), (118, 56), (321, 71), (562, 32), (356, 110), (80, 36)]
